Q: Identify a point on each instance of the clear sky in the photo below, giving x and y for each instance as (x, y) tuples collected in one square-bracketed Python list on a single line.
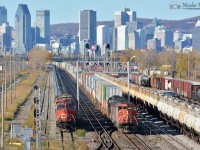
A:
[(65, 11)]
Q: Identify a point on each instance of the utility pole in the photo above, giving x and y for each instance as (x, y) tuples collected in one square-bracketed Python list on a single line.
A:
[(128, 69), (5, 79), (11, 76), (77, 77), (14, 73), (2, 118), (188, 66), (2, 73)]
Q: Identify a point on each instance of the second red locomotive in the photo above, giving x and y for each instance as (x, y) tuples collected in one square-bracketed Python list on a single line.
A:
[(122, 113)]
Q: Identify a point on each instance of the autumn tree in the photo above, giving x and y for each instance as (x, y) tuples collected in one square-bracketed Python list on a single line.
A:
[(38, 57), (167, 58), (182, 66), (193, 64), (128, 53), (147, 59)]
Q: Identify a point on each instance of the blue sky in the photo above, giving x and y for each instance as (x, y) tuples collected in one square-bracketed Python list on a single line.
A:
[(63, 11)]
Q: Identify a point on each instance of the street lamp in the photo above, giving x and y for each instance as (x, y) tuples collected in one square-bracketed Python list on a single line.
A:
[(188, 66), (129, 68)]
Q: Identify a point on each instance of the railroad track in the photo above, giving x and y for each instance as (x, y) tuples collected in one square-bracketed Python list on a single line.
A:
[(97, 121), (62, 139), (104, 133), (136, 142), (46, 96), (166, 136), (62, 89)]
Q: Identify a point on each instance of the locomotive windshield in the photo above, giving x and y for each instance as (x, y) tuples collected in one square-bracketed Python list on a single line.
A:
[(65, 107), (60, 107), (70, 106), (131, 107), (127, 107)]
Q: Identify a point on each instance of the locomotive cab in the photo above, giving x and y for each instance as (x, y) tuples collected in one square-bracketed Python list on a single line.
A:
[(127, 114), (65, 114)]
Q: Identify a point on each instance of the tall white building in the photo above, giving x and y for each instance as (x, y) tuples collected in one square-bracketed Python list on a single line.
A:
[(124, 16), (121, 18), (177, 36), (122, 37), (104, 36), (165, 35), (43, 23), (133, 40), (196, 37)]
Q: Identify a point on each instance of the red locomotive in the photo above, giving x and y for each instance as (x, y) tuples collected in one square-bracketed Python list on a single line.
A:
[(122, 113), (66, 109)]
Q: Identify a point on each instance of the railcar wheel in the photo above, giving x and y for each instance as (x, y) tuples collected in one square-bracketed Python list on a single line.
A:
[(199, 140)]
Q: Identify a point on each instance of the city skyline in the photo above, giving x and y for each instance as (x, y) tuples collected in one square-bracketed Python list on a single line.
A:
[(68, 14)]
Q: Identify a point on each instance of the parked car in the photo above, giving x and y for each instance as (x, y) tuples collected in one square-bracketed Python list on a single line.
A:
[(169, 93)]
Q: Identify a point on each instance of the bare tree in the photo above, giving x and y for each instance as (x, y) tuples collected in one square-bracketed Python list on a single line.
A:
[(148, 59), (38, 58)]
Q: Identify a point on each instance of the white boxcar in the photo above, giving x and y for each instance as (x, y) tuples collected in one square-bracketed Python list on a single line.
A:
[(99, 91)]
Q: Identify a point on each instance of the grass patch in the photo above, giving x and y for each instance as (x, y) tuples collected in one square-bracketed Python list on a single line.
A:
[(55, 145), (23, 90), (43, 82), (80, 132), (81, 145), (31, 121), (10, 146)]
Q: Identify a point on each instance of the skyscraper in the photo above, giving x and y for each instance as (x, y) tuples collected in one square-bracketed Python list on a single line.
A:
[(122, 37), (5, 37), (121, 18), (104, 36), (23, 38), (124, 16), (133, 40), (196, 37), (43, 23), (165, 35), (87, 26), (3, 15)]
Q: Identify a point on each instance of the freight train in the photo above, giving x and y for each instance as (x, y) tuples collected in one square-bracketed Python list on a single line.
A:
[(66, 109), (108, 98), (176, 112), (187, 89)]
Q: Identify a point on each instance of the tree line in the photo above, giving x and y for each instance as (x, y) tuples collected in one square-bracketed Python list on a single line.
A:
[(181, 65)]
